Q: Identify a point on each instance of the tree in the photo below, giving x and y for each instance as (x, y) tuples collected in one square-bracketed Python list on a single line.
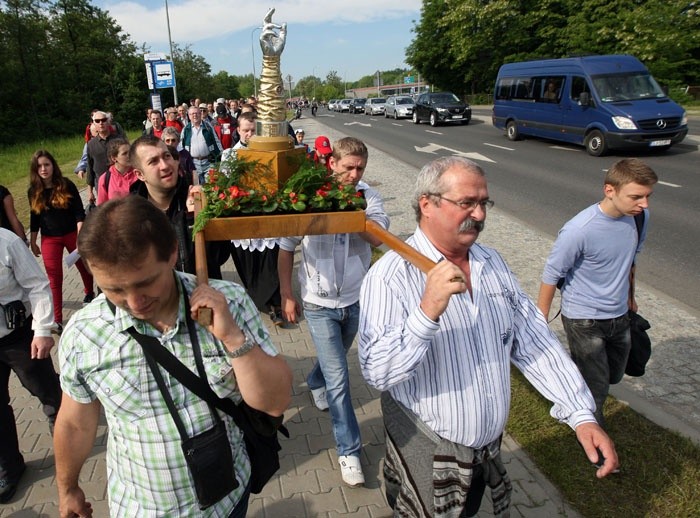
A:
[(226, 85), (193, 74)]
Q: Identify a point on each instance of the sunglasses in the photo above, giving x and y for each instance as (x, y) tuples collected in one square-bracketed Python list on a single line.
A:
[(99, 121)]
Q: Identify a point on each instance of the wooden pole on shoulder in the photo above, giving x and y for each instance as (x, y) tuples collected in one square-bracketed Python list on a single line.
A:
[(204, 315)]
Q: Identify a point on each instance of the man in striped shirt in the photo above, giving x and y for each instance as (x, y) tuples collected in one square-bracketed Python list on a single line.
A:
[(440, 347)]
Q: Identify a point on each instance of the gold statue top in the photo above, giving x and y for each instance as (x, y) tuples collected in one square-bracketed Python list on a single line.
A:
[(271, 104)]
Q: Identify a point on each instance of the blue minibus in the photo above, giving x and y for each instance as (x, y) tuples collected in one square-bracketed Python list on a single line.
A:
[(600, 102)]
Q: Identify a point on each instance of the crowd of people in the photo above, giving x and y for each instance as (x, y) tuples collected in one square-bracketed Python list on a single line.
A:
[(438, 345)]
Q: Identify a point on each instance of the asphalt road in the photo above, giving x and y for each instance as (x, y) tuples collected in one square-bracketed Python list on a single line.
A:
[(544, 183)]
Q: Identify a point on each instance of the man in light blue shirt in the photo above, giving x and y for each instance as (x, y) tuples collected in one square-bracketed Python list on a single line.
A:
[(594, 255)]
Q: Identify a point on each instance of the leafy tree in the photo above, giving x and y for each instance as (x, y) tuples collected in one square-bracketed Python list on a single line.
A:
[(226, 85), (193, 75), (246, 85)]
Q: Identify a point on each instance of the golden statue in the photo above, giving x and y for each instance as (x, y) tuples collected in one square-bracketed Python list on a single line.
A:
[(271, 105)]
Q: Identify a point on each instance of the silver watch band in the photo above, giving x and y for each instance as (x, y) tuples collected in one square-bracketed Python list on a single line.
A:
[(243, 349)]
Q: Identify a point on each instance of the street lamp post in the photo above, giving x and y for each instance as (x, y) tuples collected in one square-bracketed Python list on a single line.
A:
[(170, 40), (313, 75), (252, 53)]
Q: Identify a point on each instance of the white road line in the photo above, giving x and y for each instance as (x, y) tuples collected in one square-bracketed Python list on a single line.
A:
[(433, 132), (670, 184), (396, 124), (499, 147), (565, 148)]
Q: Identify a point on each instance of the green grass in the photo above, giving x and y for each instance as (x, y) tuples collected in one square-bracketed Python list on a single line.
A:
[(660, 470), (14, 166)]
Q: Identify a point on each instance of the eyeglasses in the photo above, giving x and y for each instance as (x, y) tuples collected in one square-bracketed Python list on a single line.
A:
[(99, 121), (465, 204), (203, 110)]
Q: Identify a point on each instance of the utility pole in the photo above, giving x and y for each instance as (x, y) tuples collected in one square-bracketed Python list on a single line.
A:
[(170, 40)]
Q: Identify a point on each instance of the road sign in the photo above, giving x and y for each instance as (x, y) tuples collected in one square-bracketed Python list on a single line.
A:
[(409, 79), (154, 56), (164, 74)]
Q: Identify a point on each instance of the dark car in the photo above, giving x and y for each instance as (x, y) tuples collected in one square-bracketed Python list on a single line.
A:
[(358, 105), (441, 107)]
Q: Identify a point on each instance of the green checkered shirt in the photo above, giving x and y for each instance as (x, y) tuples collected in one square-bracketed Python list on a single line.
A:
[(147, 472)]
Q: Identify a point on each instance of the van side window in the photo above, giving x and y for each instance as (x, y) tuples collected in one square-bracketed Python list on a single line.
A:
[(548, 89), (504, 87), (579, 85)]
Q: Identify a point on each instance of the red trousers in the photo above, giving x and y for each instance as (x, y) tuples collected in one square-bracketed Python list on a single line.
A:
[(52, 252)]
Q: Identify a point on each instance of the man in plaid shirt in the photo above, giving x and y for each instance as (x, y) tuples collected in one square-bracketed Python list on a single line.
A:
[(131, 249)]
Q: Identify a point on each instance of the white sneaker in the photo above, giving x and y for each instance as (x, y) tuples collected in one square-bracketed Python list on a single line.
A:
[(351, 470), (320, 400)]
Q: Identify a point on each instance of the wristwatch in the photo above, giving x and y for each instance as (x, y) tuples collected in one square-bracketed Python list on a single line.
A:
[(243, 349)]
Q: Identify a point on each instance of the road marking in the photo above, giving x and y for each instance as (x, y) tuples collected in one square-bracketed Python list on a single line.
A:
[(397, 124), (326, 115), (360, 123), (432, 148), (565, 148), (669, 184), (499, 147), (433, 132)]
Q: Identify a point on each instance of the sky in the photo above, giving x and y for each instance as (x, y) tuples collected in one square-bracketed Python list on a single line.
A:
[(353, 38)]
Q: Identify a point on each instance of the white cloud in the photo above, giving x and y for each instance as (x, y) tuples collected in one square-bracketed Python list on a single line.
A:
[(196, 20)]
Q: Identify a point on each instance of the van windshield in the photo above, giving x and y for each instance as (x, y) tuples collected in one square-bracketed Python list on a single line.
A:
[(627, 87)]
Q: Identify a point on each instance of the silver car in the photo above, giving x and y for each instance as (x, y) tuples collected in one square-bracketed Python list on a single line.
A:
[(344, 105), (399, 107), (375, 106)]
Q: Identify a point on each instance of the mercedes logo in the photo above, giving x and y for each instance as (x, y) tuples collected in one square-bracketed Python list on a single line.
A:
[(661, 124)]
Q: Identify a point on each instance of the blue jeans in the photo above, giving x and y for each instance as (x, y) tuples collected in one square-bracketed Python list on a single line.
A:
[(333, 331), (202, 167), (600, 349)]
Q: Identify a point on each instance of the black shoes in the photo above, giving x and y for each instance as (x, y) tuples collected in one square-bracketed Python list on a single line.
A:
[(276, 316), (8, 486)]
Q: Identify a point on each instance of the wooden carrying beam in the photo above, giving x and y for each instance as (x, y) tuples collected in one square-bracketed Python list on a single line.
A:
[(275, 225)]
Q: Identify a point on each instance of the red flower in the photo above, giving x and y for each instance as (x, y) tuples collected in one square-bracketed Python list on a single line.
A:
[(322, 193)]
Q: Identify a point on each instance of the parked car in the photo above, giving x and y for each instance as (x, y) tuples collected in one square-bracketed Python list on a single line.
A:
[(358, 105), (399, 107), (375, 106), (441, 107), (344, 105), (332, 104)]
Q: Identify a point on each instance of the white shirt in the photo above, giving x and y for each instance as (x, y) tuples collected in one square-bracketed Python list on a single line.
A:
[(198, 144), (333, 265), (455, 373), (21, 278)]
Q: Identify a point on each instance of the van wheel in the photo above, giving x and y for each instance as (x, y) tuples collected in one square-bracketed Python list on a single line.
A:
[(415, 118), (595, 143), (433, 120), (512, 131)]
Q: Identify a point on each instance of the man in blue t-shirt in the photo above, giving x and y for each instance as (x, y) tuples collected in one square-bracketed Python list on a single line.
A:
[(594, 255)]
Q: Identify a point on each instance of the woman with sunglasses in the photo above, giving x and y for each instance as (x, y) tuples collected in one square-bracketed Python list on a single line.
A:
[(57, 212)]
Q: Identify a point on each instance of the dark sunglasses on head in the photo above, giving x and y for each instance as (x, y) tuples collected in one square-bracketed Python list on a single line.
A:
[(99, 120)]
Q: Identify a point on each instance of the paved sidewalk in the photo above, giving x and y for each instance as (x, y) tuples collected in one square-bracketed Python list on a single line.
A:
[(308, 483)]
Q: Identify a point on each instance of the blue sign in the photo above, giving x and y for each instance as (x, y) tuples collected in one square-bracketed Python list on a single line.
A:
[(163, 74)]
